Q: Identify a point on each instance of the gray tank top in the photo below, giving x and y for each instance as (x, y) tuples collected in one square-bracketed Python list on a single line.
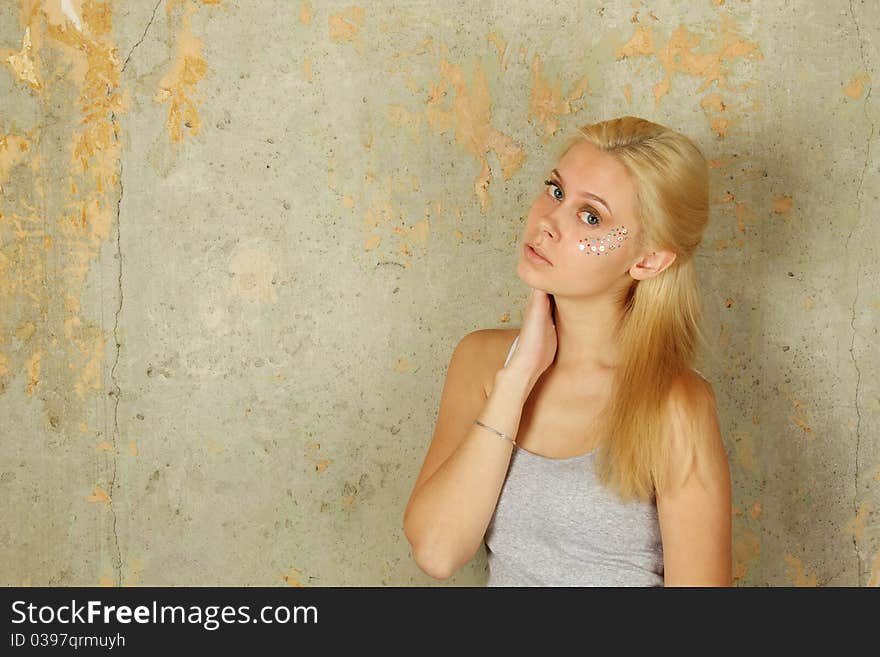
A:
[(556, 525)]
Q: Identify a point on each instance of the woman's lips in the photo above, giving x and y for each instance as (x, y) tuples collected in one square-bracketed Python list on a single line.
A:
[(535, 257)]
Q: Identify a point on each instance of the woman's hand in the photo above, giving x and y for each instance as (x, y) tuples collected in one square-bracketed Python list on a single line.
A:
[(536, 348)]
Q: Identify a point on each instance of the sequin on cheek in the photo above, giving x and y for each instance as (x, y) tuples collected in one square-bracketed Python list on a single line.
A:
[(603, 244)]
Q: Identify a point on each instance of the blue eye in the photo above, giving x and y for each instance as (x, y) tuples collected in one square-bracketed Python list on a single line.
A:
[(592, 214), (588, 210), (552, 193)]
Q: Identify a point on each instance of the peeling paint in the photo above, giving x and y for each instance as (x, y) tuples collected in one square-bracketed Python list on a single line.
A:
[(855, 89), (802, 423), (500, 45), (798, 420), (470, 115), (345, 27), (99, 495), (305, 12), (679, 56), (746, 550), (796, 572), (641, 43), (71, 10), (782, 204), (547, 104), (73, 238), (875, 571), (856, 526), (22, 63), (134, 577), (178, 86), (292, 578)]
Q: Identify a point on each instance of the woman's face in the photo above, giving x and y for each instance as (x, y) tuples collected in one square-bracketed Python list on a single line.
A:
[(588, 241)]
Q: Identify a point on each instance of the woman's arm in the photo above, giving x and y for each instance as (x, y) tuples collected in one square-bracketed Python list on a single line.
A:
[(457, 490), (695, 516)]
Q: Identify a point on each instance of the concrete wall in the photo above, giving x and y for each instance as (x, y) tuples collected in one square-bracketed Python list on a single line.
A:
[(239, 240)]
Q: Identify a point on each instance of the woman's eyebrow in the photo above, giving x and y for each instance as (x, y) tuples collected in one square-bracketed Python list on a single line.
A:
[(587, 194)]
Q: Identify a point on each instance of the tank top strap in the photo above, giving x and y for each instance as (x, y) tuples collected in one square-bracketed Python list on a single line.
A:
[(511, 350)]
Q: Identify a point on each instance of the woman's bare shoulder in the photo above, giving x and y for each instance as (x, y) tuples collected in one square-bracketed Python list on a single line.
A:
[(495, 344), (490, 351), (691, 391)]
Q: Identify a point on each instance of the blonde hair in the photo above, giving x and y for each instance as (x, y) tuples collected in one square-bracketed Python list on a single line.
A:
[(659, 332)]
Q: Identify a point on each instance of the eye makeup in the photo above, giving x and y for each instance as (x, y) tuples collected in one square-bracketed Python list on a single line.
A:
[(603, 245)]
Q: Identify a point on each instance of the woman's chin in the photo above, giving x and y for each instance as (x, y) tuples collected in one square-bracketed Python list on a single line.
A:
[(527, 273)]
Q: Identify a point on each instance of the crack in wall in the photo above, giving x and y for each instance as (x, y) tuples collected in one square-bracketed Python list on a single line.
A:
[(856, 299), (116, 388), (143, 36), (116, 391)]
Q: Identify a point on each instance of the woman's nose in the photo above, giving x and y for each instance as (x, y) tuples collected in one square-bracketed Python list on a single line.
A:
[(550, 221)]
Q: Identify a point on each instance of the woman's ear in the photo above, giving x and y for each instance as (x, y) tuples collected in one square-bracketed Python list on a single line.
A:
[(652, 264)]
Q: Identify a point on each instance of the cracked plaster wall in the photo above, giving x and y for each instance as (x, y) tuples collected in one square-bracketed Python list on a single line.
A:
[(238, 242)]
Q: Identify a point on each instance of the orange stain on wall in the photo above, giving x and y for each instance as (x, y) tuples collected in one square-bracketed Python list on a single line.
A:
[(782, 204), (177, 87), (71, 45), (874, 580), (856, 86), (21, 63), (292, 578), (305, 12), (679, 55), (345, 27), (99, 495), (640, 43), (14, 149), (796, 572), (746, 550), (470, 115), (547, 103), (500, 45), (856, 526)]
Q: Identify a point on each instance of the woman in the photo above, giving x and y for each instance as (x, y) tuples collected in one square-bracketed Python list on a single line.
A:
[(589, 455)]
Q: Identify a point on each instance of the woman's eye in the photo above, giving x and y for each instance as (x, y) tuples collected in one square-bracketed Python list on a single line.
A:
[(590, 213), (553, 188)]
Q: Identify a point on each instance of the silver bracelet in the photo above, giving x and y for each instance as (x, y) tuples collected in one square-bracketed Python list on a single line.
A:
[(503, 435)]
